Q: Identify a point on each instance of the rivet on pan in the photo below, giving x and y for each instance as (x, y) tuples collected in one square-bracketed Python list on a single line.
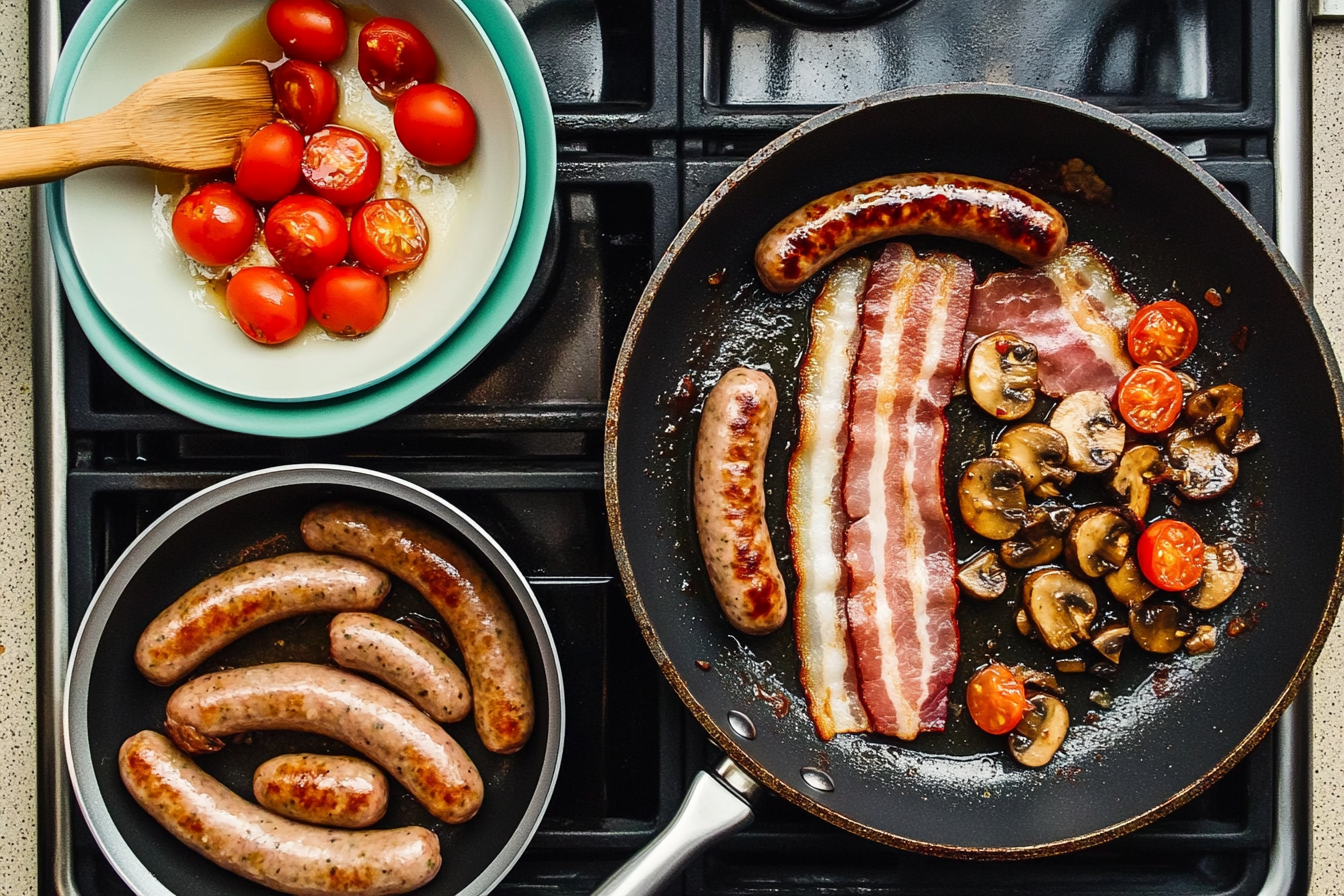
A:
[(739, 722), (817, 779)]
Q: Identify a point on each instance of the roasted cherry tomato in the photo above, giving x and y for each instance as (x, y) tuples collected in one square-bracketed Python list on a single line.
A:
[(995, 699), (215, 224), (267, 304), (1162, 333), (436, 124), (305, 93), (268, 166), (307, 235), (1150, 398), (1171, 555), (394, 56), (342, 165), (348, 301), (307, 29), (388, 236)]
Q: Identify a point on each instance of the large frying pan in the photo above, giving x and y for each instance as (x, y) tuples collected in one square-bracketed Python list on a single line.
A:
[(1178, 722)]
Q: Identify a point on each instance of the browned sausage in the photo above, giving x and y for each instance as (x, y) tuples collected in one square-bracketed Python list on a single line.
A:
[(404, 660), (730, 501), (456, 585), (340, 791), (338, 704), (227, 606), (971, 208), (260, 845)]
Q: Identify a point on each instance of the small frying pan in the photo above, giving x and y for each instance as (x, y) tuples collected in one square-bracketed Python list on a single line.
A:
[(1177, 722), (249, 517)]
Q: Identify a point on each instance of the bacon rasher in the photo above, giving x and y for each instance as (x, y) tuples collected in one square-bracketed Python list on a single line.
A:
[(899, 548)]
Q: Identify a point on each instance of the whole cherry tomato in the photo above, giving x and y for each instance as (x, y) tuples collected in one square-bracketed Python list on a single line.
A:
[(436, 124), (394, 56), (215, 224), (305, 93), (348, 301), (267, 304), (307, 29), (388, 236), (342, 165), (1162, 333), (268, 166), (1150, 398), (1171, 555), (306, 234), (995, 699)]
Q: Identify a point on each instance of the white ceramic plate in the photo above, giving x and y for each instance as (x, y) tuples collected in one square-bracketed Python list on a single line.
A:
[(146, 285)]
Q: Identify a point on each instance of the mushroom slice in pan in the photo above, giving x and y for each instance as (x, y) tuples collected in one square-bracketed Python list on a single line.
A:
[(984, 577), (1133, 480), (1099, 541), (1034, 678), (1001, 375), (1110, 640), (991, 497), (1158, 627), (1216, 411), (1199, 467), (1040, 540), (1203, 640), (1041, 453), (1023, 623), (1094, 434), (1061, 607), (1036, 738), (1128, 584), (1223, 569)]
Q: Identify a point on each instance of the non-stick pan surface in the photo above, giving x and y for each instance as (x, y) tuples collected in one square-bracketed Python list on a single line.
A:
[(1177, 722), (249, 517)]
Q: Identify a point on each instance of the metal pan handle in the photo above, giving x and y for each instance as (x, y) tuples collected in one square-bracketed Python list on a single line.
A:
[(717, 803)]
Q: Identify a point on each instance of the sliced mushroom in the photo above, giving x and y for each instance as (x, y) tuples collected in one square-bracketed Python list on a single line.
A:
[(1128, 584), (1223, 569), (1023, 622), (1203, 640), (984, 577), (1001, 375), (1244, 440), (1036, 738), (991, 497), (1099, 541), (1134, 476), (1040, 540), (1094, 434), (1033, 678), (1110, 640), (1189, 386), (1158, 627), (1041, 453), (1216, 411), (1061, 607), (1199, 467)]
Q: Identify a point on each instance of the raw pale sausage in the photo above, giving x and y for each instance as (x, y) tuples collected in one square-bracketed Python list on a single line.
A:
[(404, 660)]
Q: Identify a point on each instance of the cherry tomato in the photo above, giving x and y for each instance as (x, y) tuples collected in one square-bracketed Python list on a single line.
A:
[(268, 166), (995, 699), (1171, 555), (1162, 333), (267, 304), (1150, 398), (436, 124), (307, 235), (215, 224), (348, 301), (305, 93), (394, 56), (307, 29), (388, 236), (342, 165)]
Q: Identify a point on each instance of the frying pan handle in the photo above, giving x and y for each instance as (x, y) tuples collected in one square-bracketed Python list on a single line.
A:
[(716, 804)]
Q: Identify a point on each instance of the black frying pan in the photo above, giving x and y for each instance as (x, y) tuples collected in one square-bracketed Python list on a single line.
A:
[(1178, 722)]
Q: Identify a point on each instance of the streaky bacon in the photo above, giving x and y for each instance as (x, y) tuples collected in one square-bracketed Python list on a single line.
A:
[(899, 548)]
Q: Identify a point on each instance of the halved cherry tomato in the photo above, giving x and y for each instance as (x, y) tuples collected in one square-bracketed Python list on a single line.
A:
[(1171, 555), (268, 166), (394, 56), (342, 165), (388, 236), (305, 93), (307, 235), (348, 301), (436, 124), (1162, 333), (1150, 398), (267, 304), (995, 699), (307, 29), (215, 224)]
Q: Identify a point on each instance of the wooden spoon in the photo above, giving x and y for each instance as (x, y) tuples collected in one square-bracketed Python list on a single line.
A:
[(192, 120)]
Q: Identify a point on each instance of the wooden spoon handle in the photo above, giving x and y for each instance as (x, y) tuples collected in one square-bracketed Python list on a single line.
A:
[(38, 155)]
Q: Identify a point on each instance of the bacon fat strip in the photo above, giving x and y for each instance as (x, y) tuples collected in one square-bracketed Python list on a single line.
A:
[(261, 846), (462, 593), (242, 599), (404, 660), (971, 208), (338, 704), (730, 501), (899, 548), (817, 518), (339, 791)]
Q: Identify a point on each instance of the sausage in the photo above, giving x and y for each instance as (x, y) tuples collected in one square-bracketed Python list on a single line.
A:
[(321, 700), (340, 791), (463, 594), (972, 208), (404, 660), (260, 845), (730, 501), (242, 599)]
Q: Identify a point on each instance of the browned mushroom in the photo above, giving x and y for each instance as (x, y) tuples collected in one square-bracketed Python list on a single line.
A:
[(1094, 434), (1216, 411), (1199, 468), (983, 577), (1223, 569), (1034, 678), (1001, 375), (1158, 627), (1023, 623), (991, 497), (1128, 584), (1110, 640), (1061, 607), (1036, 738), (1139, 467), (1041, 540), (1041, 453), (1099, 541), (1203, 640)]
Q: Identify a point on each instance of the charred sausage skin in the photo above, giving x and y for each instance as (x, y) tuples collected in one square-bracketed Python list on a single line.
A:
[(403, 659), (340, 791)]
